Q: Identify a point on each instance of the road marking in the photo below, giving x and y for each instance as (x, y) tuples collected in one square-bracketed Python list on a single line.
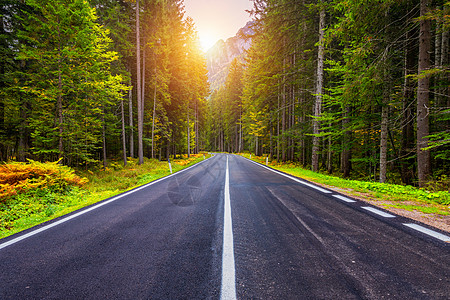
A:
[(293, 178), (430, 232), (344, 198), (378, 212), (228, 289), (36, 231)]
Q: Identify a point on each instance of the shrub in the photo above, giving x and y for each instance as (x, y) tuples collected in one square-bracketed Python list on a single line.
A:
[(18, 177)]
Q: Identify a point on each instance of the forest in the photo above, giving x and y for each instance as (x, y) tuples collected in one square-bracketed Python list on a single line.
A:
[(84, 82), (354, 88)]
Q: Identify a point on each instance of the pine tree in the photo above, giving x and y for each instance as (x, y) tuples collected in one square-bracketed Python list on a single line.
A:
[(70, 81)]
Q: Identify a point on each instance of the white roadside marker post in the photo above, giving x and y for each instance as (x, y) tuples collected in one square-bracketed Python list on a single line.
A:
[(170, 166), (267, 161)]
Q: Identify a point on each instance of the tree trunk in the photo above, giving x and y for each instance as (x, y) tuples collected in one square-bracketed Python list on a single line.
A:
[(188, 134), (154, 115), (240, 129), (21, 155), (196, 129), (60, 114), (437, 46), (271, 140), (143, 83), (283, 116), (104, 139), (59, 100), (407, 139), (130, 109), (278, 129), (384, 142), (423, 156), (330, 155), (346, 148), (444, 91), (124, 140), (3, 156), (138, 89), (318, 102)]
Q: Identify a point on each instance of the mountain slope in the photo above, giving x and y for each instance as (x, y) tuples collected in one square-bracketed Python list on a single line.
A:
[(220, 56)]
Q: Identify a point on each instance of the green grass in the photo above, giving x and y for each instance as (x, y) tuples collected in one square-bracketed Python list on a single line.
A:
[(423, 209), (436, 202), (34, 207)]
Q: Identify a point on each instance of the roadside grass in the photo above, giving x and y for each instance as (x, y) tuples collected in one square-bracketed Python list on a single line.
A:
[(386, 194), (35, 206)]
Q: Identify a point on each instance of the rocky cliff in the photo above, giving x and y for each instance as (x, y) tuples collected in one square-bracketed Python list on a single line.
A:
[(220, 56)]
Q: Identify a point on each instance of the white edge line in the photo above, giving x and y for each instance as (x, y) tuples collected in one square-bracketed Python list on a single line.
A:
[(228, 287), (293, 178), (36, 231), (378, 212), (429, 232), (344, 198)]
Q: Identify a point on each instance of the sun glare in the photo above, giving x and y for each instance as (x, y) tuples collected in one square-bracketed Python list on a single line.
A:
[(206, 42)]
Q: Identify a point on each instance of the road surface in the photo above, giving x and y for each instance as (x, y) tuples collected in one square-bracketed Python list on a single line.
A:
[(232, 229)]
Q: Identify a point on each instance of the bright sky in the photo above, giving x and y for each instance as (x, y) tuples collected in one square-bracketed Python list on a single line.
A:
[(217, 19)]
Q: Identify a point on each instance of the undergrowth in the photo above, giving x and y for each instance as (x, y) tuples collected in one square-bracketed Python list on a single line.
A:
[(20, 177)]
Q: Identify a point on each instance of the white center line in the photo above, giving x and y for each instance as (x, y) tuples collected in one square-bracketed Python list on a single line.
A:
[(378, 212), (228, 289), (430, 232)]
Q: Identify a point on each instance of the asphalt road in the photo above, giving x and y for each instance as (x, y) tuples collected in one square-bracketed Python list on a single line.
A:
[(245, 233)]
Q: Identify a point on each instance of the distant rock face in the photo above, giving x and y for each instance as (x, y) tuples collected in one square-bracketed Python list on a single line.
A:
[(220, 56)]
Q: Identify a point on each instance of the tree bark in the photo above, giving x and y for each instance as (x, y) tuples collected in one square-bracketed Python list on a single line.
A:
[(124, 142), (138, 89), (283, 116), (196, 129), (437, 46), (445, 90), (278, 129), (143, 82), (23, 145), (59, 100), (104, 139), (423, 156), (330, 155), (240, 128), (407, 139), (188, 133), (130, 109), (319, 86), (346, 148), (384, 142), (154, 115), (3, 156)]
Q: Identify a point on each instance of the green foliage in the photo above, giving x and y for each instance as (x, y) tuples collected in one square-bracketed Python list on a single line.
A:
[(17, 177), (63, 70), (370, 86), (69, 78), (41, 202)]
